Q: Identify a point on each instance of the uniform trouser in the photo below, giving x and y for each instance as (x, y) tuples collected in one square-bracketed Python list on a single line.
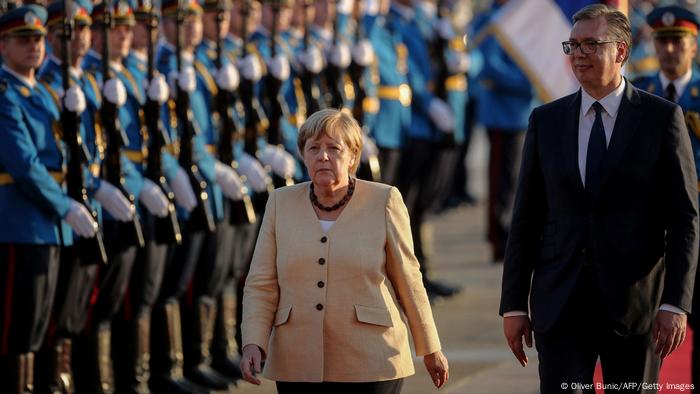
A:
[(75, 285), (417, 168), (28, 277), (76, 280), (390, 163), (504, 166), (142, 293), (180, 265), (440, 185), (569, 350)]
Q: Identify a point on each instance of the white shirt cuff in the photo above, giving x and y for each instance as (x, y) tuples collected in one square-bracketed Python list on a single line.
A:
[(515, 313), (671, 308)]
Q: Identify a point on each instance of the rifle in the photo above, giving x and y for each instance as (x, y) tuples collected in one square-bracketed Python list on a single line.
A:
[(370, 169), (242, 211), (336, 96), (167, 229), (276, 104), (312, 93), (439, 47), (201, 217), (90, 250), (256, 120), (130, 233)]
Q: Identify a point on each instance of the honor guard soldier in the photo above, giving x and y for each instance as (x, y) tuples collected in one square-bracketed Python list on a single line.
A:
[(390, 129), (451, 62), (432, 122), (32, 161), (191, 121), (76, 275), (504, 102), (675, 32)]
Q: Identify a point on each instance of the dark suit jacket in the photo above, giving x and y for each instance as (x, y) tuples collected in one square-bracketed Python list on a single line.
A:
[(639, 234)]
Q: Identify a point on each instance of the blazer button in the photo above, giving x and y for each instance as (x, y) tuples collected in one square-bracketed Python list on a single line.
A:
[(322, 261), (324, 239), (319, 307), (320, 284)]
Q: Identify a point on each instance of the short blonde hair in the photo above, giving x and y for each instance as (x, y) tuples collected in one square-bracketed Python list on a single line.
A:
[(337, 125)]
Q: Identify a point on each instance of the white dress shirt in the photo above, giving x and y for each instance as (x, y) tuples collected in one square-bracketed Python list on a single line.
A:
[(680, 83), (611, 105)]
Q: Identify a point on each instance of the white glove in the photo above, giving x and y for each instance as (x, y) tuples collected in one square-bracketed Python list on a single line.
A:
[(281, 161), (369, 148), (250, 68), (254, 172), (444, 28), (370, 7), (345, 7), (457, 62), (154, 199), (115, 202), (279, 67), (184, 195), (187, 79), (363, 53), (340, 55), (81, 220), (74, 100), (231, 184), (227, 78), (157, 90), (441, 114), (115, 92), (312, 59)]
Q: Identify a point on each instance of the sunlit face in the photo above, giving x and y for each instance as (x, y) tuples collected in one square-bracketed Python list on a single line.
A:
[(324, 12), (79, 45), (192, 31), (209, 25), (120, 37), (676, 54), (140, 40), (23, 54), (328, 160), (602, 68), (298, 14), (283, 18)]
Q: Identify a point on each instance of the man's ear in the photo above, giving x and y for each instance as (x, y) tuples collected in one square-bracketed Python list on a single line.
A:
[(622, 51)]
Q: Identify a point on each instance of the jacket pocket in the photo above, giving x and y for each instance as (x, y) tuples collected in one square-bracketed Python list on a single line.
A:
[(372, 315), (282, 315)]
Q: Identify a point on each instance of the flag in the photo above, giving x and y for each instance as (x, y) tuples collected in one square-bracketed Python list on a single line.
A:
[(531, 32)]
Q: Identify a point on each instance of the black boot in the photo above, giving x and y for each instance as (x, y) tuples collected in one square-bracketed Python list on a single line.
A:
[(62, 373), (103, 347), (168, 377), (225, 357), (198, 360), (139, 368)]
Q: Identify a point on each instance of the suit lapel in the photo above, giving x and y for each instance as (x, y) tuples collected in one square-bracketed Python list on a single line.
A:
[(623, 132), (571, 142)]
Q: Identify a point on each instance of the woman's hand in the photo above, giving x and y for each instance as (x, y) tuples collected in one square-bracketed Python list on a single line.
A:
[(435, 363), (250, 363)]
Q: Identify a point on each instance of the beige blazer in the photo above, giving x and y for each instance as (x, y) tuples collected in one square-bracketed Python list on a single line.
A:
[(336, 306)]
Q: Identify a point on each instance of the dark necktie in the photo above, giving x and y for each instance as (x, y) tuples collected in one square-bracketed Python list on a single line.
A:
[(596, 152), (671, 92)]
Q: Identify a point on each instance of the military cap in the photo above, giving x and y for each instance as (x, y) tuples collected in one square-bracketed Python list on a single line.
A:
[(145, 9), (673, 21), (81, 12), (122, 13), (215, 5), (192, 7), (24, 21)]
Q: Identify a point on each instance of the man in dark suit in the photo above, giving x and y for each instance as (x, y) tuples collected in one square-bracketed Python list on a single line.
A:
[(604, 235)]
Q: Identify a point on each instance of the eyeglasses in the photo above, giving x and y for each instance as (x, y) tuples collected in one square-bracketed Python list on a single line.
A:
[(588, 47)]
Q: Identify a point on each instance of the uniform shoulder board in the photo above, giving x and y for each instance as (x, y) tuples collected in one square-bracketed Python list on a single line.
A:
[(48, 78)]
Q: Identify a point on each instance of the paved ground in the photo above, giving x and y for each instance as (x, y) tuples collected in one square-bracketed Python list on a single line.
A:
[(469, 326)]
